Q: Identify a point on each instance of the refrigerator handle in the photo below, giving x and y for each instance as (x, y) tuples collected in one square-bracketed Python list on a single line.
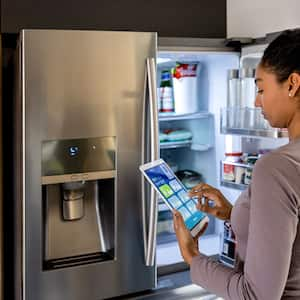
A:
[(150, 234)]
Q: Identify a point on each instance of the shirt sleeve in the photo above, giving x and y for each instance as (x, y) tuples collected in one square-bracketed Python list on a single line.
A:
[(272, 231)]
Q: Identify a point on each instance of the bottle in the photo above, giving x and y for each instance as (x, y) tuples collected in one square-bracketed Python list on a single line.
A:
[(233, 98), (166, 92), (233, 88), (248, 94)]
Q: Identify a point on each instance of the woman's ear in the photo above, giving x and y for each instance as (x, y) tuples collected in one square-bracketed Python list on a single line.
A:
[(294, 84)]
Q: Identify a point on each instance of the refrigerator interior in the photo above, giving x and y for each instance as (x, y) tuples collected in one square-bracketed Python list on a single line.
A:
[(208, 146)]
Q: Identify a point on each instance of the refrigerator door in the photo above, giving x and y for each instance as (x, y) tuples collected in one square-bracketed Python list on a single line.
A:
[(1, 180), (76, 85)]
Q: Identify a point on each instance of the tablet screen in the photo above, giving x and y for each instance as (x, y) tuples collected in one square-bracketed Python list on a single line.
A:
[(173, 191)]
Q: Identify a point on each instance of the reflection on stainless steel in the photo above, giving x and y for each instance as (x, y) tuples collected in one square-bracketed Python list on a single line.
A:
[(78, 150)]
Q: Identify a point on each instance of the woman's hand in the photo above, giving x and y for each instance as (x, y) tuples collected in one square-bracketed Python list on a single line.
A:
[(187, 243), (220, 209)]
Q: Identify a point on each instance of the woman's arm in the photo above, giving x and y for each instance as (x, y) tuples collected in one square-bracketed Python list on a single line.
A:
[(272, 230)]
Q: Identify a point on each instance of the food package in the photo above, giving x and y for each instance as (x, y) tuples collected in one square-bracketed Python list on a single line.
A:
[(185, 82)]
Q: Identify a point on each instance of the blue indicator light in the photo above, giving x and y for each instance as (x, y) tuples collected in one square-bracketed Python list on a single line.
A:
[(73, 150)]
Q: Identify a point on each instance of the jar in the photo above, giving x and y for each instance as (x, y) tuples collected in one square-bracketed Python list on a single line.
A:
[(229, 169), (228, 245), (251, 160)]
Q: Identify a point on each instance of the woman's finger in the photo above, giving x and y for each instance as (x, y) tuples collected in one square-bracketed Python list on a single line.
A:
[(178, 220)]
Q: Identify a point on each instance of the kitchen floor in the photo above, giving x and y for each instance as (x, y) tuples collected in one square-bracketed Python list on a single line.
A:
[(172, 287)]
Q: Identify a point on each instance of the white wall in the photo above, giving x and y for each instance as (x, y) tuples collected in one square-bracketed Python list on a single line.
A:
[(255, 18)]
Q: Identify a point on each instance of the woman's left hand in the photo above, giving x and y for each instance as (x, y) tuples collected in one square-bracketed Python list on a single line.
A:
[(187, 243)]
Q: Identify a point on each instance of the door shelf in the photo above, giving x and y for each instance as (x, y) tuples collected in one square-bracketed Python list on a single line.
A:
[(275, 133), (233, 185), (237, 164), (248, 121), (175, 117)]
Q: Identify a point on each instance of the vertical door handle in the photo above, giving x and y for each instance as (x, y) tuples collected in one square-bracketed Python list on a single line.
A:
[(149, 228)]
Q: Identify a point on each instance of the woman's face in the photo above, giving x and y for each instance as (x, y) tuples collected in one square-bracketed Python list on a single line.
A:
[(273, 98)]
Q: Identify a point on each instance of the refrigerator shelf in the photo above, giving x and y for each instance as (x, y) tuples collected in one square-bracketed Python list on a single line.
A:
[(233, 185), (274, 133), (175, 117), (188, 143), (178, 144)]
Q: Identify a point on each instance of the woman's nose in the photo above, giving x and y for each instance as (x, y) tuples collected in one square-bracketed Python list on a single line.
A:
[(257, 101)]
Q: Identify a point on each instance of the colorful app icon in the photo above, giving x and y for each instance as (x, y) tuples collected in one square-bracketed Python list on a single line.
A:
[(175, 201), (167, 172), (166, 190), (183, 196), (175, 185), (191, 206), (184, 212)]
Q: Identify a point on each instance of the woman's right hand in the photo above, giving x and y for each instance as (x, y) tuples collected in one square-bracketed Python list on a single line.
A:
[(221, 207)]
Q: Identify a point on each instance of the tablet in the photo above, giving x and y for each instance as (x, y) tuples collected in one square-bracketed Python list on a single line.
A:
[(174, 194)]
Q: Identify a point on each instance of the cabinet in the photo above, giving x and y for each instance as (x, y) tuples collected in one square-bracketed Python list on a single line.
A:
[(168, 18), (256, 18)]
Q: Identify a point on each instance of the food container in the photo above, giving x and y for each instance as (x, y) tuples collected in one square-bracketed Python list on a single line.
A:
[(250, 160), (185, 82), (189, 178), (228, 168)]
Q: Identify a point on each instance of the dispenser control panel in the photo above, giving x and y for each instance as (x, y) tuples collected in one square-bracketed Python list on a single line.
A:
[(61, 157)]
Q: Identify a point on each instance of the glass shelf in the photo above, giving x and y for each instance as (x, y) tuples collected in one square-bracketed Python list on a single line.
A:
[(248, 122), (233, 185), (181, 144), (175, 117), (178, 144)]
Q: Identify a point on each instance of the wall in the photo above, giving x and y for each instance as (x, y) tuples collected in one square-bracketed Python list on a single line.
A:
[(255, 18), (186, 18)]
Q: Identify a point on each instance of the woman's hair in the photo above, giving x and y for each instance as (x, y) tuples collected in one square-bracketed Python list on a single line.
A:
[(282, 56)]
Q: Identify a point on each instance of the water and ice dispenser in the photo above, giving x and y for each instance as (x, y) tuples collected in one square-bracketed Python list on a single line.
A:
[(78, 201)]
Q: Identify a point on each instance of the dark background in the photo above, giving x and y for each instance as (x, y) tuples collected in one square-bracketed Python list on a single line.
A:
[(173, 18)]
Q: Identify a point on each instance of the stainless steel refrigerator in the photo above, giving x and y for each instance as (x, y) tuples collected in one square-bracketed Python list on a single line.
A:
[(85, 119)]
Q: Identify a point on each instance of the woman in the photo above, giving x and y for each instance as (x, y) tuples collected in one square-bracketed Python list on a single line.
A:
[(265, 218)]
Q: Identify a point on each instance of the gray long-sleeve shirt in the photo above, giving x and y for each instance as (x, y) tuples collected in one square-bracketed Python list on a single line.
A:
[(265, 220)]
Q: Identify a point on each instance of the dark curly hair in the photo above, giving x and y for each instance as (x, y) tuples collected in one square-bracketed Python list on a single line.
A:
[(282, 56)]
